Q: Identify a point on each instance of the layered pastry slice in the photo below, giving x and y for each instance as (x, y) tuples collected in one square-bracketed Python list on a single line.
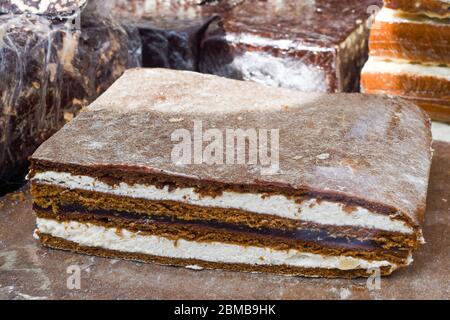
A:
[(427, 86), (194, 170), (431, 8), (396, 35)]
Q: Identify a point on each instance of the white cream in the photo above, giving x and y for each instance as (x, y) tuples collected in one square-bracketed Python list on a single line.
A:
[(289, 73), (321, 212), (123, 240), (284, 44), (377, 65)]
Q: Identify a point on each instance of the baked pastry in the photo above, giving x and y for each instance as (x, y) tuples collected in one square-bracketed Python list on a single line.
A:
[(271, 180), (395, 35), (304, 45), (49, 71)]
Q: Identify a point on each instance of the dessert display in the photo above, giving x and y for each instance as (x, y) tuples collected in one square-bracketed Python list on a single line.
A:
[(50, 68), (338, 186), (409, 55)]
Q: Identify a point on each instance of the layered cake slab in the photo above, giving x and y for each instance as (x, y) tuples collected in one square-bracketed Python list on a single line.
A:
[(195, 170), (427, 86), (396, 35), (432, 8), (313, 46)]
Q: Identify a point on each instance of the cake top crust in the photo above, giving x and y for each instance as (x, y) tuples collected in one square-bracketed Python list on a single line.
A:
[(372, 148)]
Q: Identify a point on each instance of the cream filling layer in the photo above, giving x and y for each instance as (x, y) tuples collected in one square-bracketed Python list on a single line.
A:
[(320, 212), (378, 65), (90, 235)]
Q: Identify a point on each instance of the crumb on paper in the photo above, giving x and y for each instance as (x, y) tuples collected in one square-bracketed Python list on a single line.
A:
[(28, 297), (174, 120), (19, 196), (323, 156)]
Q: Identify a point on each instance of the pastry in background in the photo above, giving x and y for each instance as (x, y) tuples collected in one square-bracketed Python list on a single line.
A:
[(410, 56), (303, 45), (52, 66)]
